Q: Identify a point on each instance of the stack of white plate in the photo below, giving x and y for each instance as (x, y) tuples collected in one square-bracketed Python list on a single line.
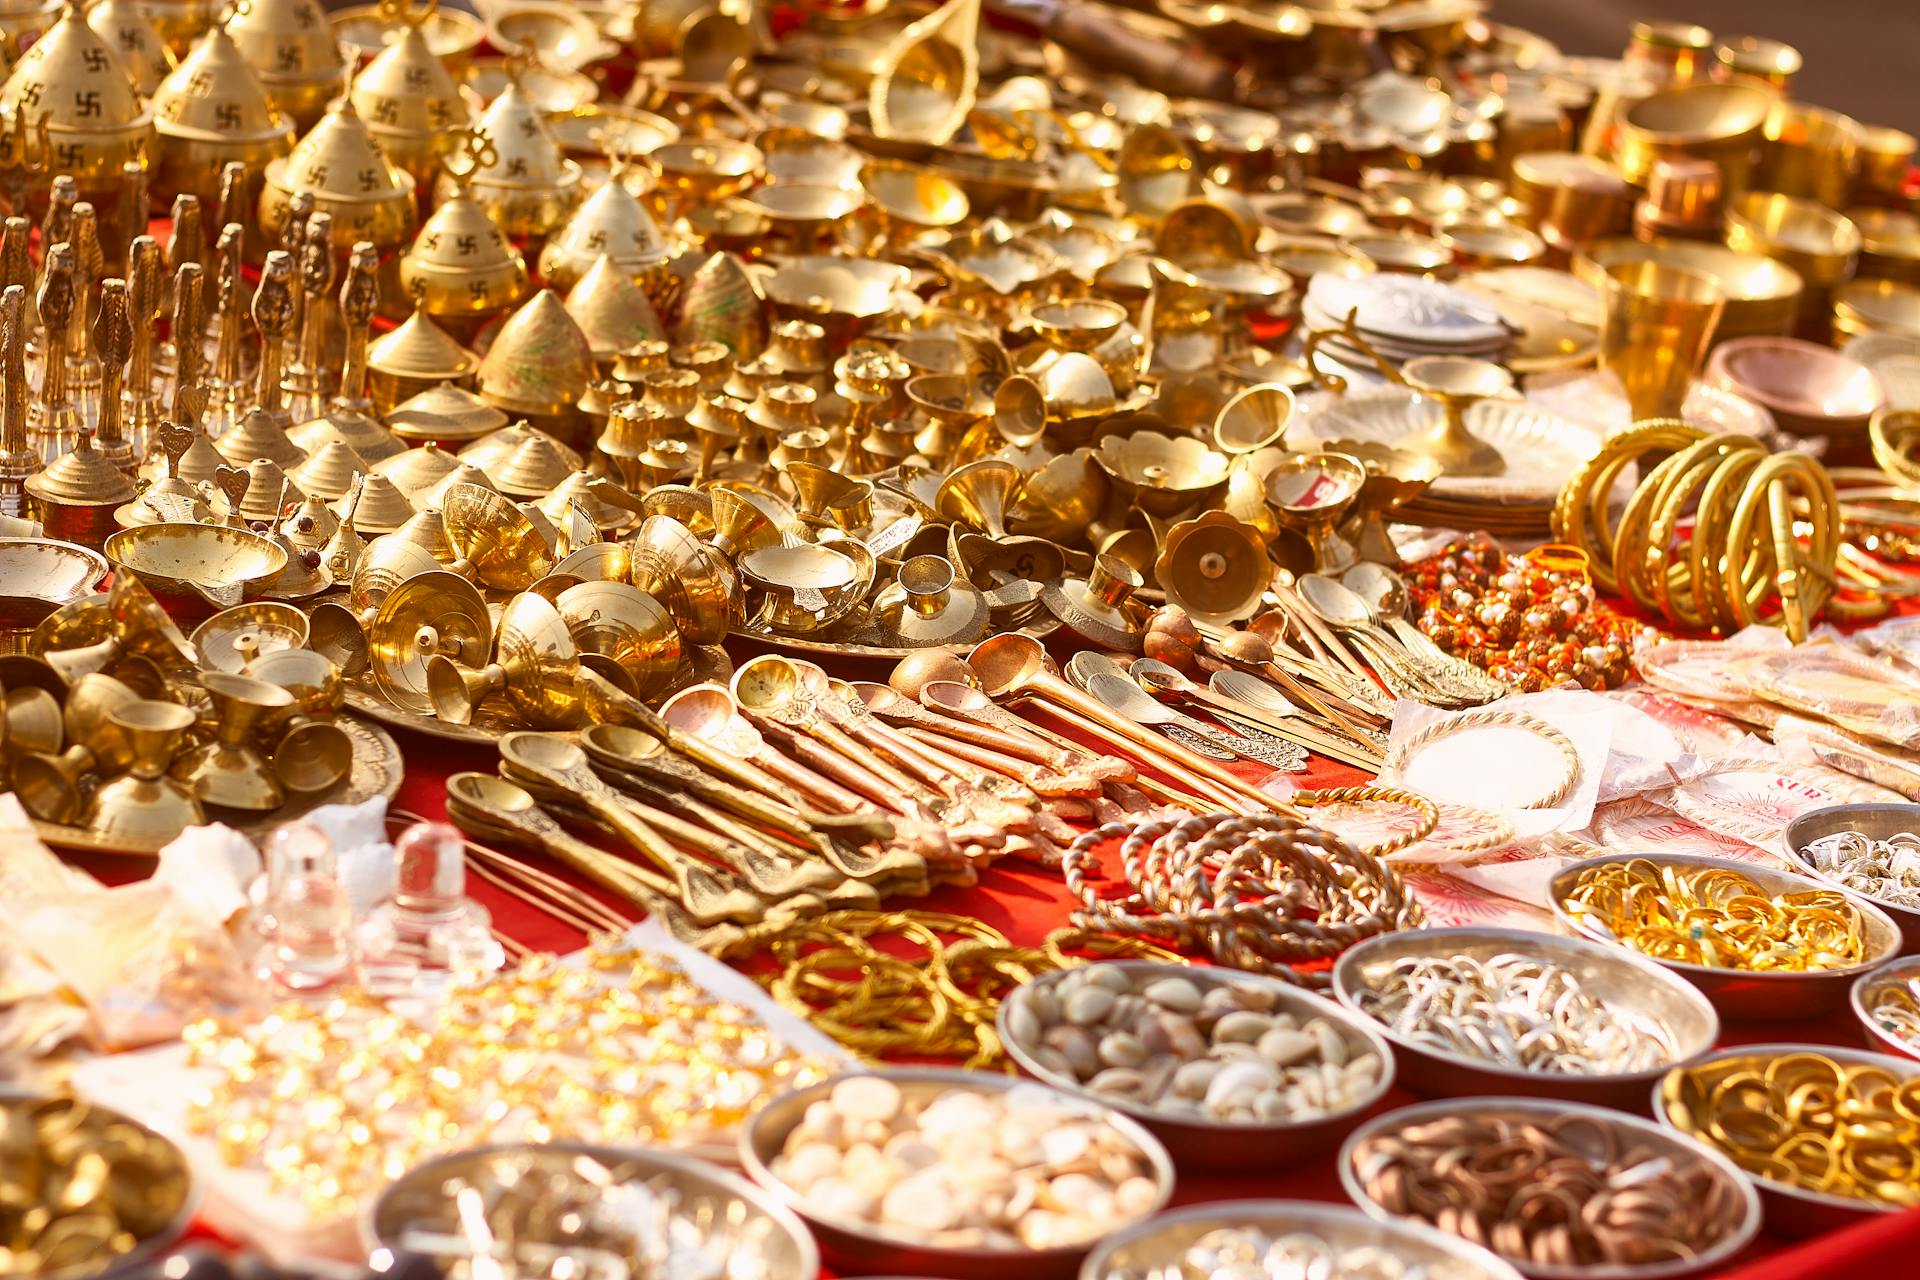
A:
[(1402, 317)]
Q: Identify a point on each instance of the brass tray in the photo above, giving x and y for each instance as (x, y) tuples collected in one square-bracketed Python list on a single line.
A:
[(377, 769)]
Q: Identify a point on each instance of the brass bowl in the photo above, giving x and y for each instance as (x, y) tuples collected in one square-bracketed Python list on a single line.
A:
[(589, 131), (1889, 243), (1756, 60), (1809, 237), (912, 195), (40, 575), (1762, 294), (1078, 325), (1405, 252), (452, 34), (1162, 475), (1811, 390), (1808, 151), (1717, 122), (197, 562), (1875, 306), (553, 36)]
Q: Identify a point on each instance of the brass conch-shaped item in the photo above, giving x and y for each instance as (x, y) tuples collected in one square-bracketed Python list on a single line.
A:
[(540, 363), (537, 667), (924, 82), (292, 48), (339, 165), (212, 111)]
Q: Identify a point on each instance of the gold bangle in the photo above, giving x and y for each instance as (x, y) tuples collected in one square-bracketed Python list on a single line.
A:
[(1402, 754), (1428, 812)]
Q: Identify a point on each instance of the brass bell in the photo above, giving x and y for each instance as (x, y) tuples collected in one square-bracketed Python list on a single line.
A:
[(461, 269)]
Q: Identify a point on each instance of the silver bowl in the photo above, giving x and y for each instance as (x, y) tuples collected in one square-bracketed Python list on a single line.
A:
[(1611, 974), (159, 1242), (1897, 972), (1741, 996), (1665, 1141), (862, 1249), (1877, 821), (1154, 1247), (1215, 1144), (1792, 1211), (419, 1199)]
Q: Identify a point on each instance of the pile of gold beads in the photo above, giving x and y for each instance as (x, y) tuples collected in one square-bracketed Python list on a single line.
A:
[(338, 1099), (81, 1186), (919, 984), (1516, 1011), (1807, 1120), (1563, 1192), (1717, 917)]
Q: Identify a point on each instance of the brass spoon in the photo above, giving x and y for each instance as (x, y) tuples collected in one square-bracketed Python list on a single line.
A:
[(1385, 592), (607, 704), (977, 744), (771, 690), (709, 893), (938, 768), (495, 808), (1130, 700), (1014, 665)]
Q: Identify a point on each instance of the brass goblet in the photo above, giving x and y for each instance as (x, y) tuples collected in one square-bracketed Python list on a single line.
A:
[(1310, 495), (1657, 324), (1457, 383)]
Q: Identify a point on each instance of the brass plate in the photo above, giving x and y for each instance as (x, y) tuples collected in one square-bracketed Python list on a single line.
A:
[(377, 767)]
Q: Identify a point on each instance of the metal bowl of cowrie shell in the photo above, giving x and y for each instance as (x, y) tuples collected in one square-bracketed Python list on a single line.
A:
[(957, 1174), (1230, 1070)]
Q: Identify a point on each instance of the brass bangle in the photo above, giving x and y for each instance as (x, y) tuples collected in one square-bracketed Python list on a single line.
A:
[(1402, 754), (1429, 812)]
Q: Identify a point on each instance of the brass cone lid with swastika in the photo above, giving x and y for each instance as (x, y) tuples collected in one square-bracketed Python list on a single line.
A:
[(73, 77), (369, 197), (291, 46), (525, 152), (612, 310), (613, 222), (410, 103), (128, 33), (460, 264), (213, 94), (539, 363)]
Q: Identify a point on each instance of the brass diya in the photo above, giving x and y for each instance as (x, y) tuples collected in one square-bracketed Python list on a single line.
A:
[(1094, 607), (231, 639), (146, 805), (622, 623), (228, 771), (214, 564), (537, 668), (695, 582), (39, 575), (1162, 475), (559, 38), (927, 604), (291, 46), (450, 35), (1215, 567), (805, 588), (1311, 494), (1395, 477), (211, 111)]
